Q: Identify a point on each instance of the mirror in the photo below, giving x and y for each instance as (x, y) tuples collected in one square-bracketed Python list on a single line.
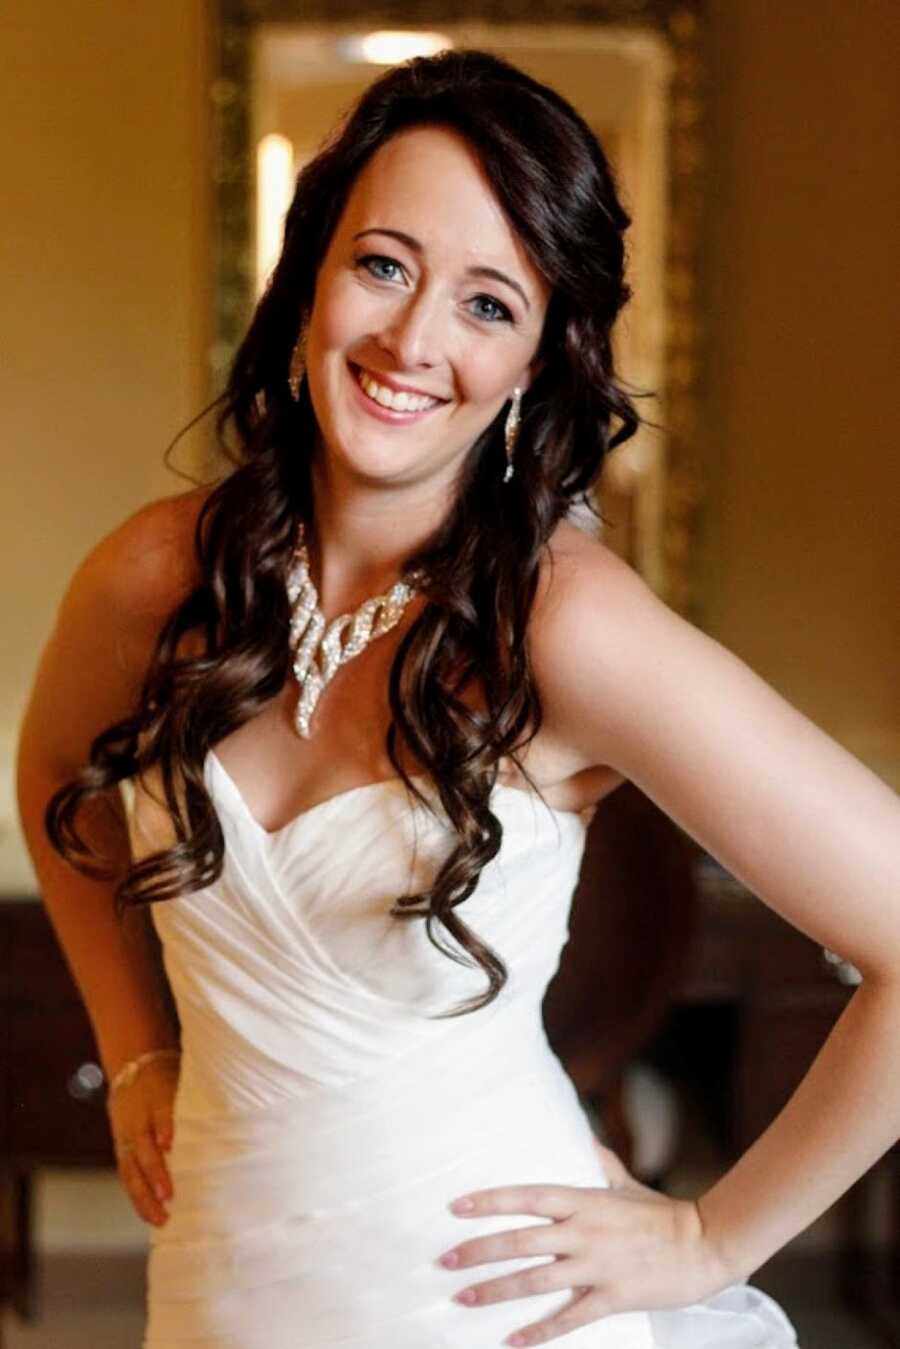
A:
[(635, 73)]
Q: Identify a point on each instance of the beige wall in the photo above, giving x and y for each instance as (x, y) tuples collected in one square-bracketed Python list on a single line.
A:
[(104, 304), (802, 567), (103, 297)]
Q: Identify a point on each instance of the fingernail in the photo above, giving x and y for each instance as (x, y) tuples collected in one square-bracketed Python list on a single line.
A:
[(462, 1205)]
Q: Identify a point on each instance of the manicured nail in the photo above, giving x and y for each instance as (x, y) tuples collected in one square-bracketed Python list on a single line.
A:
[(462, 1205), (450, 1260)]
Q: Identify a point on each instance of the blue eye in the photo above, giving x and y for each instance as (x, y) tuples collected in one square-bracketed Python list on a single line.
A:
[(501, 313), (372, 260)]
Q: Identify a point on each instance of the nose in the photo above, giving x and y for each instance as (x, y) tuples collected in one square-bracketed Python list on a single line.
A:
[(414, 334)]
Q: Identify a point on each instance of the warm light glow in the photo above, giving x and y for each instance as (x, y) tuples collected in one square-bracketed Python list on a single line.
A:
[(387, 47), (274, 188)]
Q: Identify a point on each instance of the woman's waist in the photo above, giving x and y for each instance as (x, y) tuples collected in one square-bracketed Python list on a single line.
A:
[(289, 1204), (325, 1072), (338, 1151), (351, 1189), (363, 1271)]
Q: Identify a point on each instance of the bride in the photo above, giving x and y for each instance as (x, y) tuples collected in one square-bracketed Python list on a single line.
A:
[(384, 613)]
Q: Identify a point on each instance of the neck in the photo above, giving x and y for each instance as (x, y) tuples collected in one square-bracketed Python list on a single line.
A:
[(362, 534)]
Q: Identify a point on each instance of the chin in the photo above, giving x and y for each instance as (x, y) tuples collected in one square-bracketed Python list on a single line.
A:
[(365, 461)]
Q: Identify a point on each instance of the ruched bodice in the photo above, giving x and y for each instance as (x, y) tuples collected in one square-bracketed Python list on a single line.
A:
[(294, 947), (324, 1119)]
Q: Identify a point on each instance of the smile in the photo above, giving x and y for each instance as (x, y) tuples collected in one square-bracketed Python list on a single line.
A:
[(405, 404)]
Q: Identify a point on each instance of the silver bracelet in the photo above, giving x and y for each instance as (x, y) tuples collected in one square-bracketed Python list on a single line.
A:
[(129, 1071)]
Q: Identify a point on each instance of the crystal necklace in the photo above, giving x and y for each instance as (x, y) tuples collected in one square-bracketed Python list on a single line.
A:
[(318, 650)]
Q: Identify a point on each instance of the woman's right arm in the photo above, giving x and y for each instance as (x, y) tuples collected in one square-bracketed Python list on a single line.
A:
[(88, 677)]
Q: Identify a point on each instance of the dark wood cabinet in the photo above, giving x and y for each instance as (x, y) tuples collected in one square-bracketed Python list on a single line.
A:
[(787, 992), (52, 1106), (53, 1111)]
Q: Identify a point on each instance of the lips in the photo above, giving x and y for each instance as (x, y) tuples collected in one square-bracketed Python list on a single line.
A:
[(391, 415)]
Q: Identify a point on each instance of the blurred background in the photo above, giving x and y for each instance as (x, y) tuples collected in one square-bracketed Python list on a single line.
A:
[(147, 151)]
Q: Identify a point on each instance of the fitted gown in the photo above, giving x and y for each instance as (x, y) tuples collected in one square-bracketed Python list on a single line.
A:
[(322, 1123)]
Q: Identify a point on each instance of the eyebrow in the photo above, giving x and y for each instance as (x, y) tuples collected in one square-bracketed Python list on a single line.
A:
[(490, 272)]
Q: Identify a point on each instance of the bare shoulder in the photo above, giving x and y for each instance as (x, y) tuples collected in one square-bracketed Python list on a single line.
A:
[(107, 624), (590, 611), (575, 563), (146, 564)]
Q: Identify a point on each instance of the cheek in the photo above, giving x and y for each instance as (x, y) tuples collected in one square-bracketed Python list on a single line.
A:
[(328, 326), (342, 317), (329, 338), (485, 379)]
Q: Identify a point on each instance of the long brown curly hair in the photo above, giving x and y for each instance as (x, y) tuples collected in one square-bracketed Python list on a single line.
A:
[(481, 565)]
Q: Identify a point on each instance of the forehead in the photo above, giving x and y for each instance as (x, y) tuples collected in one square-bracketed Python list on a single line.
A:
[(429, 182)]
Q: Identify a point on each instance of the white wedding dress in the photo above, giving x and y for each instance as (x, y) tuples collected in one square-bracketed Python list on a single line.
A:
[(323, 1123)]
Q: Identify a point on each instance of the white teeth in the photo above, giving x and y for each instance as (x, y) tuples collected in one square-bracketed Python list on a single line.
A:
[(399, 402)]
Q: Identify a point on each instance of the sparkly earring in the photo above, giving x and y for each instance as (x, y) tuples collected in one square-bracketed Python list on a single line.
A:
[(298, 365), (511, 431)]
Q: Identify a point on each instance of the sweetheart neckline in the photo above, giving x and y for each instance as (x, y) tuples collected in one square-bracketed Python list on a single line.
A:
[(273, 834)]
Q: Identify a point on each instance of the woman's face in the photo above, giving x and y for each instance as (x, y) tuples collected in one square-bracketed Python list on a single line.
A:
[(424, 290)]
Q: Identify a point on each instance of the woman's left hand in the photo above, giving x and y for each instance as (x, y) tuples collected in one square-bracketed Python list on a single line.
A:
[(626, 1248)]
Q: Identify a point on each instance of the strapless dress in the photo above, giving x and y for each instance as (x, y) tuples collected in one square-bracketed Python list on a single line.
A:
[(323, 1122)]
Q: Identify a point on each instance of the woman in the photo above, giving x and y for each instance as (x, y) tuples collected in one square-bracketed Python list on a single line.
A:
[(362, 835)]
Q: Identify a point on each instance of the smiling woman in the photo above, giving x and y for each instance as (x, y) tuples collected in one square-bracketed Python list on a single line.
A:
[(415, 323), (332, 818)]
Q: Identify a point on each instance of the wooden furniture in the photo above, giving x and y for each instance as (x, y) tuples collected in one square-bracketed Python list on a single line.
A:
[(655, 924), (631, 931), (789, 991), (52, 1109)]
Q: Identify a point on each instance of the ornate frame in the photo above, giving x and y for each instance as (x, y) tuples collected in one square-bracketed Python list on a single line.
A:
[(682, 25)]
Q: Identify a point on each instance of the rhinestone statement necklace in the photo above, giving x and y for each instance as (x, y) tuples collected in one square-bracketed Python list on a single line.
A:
[(319, 650)]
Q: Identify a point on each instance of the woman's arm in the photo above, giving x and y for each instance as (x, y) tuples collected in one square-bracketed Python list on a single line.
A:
[(88, 677), (788, 811)]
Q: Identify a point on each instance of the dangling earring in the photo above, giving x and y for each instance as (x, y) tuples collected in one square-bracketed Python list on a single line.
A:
[(511, 431), (298, 365)]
